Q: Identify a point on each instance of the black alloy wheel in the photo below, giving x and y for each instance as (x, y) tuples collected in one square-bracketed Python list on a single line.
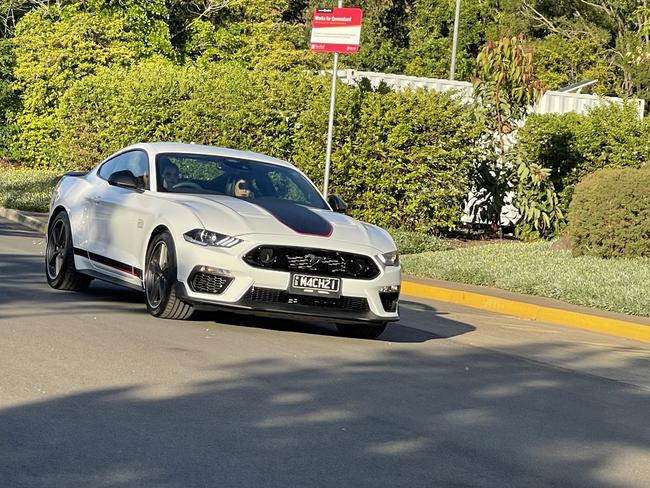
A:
[(160, 280), (59, 257)]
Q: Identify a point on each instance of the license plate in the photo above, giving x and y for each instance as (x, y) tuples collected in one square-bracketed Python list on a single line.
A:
[(315, 285)]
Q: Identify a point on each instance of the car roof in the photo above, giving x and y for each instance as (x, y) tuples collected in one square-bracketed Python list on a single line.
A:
[(180, 147)]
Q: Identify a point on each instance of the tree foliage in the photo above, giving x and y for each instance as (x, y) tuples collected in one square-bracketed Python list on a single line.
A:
[(54, 46)]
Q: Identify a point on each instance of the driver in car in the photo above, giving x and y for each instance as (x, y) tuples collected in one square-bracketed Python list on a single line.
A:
[(241, 189), (170, 175)]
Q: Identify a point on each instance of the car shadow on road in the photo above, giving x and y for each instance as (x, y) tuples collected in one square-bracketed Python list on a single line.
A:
[(419, 323), (23, 286)]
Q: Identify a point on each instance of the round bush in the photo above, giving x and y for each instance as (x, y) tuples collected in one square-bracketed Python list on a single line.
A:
[(609, 215)]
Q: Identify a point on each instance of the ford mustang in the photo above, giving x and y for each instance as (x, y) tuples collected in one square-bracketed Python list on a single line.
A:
[(207, 228)]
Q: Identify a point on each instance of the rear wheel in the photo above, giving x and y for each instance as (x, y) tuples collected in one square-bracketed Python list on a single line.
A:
[(59, 257), (361, 331), (160, 278)]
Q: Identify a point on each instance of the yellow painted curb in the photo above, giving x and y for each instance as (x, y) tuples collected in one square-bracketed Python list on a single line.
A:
[(557, 316)]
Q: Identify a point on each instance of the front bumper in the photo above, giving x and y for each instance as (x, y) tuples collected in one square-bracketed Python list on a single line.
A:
[(265, 291)]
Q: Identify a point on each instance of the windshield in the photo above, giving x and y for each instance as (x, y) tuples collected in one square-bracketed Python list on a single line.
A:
[(236, 177)]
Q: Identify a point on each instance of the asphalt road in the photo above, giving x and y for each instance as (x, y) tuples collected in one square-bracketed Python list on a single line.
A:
[(96, 393)]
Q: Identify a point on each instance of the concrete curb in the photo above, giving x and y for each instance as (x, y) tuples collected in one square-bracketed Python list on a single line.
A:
[(470, 296), (24, 219), (524, 309)]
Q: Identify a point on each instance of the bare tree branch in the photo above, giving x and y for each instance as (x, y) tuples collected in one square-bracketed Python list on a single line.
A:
[(209, 7), (536, 15)]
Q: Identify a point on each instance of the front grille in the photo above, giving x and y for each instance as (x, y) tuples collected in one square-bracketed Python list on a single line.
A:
[(268, 295), (320, 262), (209, 283)]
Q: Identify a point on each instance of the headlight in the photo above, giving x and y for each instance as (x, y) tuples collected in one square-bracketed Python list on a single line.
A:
[(204, 237), (389, 258)]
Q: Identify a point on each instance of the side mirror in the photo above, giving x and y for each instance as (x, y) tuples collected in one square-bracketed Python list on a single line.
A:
[(337, 203), (124, 179)]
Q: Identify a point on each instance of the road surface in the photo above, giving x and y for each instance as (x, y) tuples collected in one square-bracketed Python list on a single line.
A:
[(94, 392)]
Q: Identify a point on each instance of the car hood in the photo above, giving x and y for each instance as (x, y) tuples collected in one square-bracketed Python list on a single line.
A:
[(237, 217)]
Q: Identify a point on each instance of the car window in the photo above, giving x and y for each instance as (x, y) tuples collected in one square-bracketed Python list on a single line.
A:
[(237, 177), (136, 162), (285, 188)]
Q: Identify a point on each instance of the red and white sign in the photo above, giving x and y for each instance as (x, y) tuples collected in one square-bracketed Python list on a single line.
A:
[(336, 30)]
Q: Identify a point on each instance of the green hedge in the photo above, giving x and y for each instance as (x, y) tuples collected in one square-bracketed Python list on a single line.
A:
[(609, 215), (400, 158), (572, 145)]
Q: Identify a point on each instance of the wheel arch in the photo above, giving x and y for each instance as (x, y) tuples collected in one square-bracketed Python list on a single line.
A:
[(159, 229), (56, 211)]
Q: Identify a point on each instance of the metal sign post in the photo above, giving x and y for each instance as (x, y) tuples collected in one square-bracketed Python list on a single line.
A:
[(454, 44), (330, 126), (335, 30)]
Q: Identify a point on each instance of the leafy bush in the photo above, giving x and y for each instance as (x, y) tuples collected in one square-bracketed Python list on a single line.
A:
[(540, 215), (572, 145), (410, 242), (103, 113), (400, 157), (609, 215), (26, 189), (408, 161)]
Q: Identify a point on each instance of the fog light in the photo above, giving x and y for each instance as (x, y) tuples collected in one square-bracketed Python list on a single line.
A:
[(389, 289), (215, 271)]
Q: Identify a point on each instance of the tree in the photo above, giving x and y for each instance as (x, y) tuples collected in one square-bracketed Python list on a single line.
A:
[(430, 36), (504, 90), (626, 24)]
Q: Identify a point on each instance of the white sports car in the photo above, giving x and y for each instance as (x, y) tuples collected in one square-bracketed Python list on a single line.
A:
[(200, 227)]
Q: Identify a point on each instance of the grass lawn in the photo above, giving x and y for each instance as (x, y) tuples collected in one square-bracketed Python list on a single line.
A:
[(26, 189), (619, 285)]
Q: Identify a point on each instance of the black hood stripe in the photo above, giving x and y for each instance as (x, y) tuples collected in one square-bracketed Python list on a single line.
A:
[(297, 217)]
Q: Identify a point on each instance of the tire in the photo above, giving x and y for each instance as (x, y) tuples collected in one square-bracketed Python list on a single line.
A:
[(361, 331), (59, 257), (160, 280)]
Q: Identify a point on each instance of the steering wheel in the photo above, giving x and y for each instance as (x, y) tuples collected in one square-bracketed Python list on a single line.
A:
[(188, 184)]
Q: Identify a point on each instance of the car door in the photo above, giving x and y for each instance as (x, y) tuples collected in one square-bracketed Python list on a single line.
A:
[(119, 217)]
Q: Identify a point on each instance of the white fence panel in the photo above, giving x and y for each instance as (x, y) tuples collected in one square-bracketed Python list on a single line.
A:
[(552, 102), (556, 102), (399, 82)]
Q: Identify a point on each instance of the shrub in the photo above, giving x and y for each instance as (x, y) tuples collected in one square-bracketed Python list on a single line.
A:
[(408, 162), (572, 145), (399, 159), (410, 242), (609, 215), (103, 113)]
